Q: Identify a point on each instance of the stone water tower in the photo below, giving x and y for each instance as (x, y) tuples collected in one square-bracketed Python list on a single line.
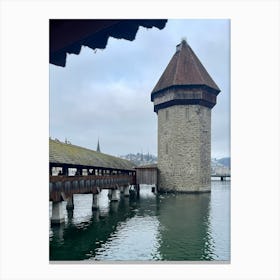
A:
[(183, 99)]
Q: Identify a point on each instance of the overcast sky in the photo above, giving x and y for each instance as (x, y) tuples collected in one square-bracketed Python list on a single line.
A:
[(106, 94)]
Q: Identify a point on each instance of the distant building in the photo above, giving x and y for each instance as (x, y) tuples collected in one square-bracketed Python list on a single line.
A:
[(221, 170), (183, 99)]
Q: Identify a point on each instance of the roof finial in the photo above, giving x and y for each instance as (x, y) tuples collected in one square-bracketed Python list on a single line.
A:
[(184, 40)]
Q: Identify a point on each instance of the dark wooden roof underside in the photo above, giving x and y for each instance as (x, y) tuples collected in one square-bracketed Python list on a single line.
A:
[(68, 36)]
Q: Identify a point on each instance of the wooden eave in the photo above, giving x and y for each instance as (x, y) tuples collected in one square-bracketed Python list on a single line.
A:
[(67, 36)]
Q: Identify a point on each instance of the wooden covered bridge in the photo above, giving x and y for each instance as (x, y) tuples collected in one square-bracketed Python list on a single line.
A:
[(77, 170)]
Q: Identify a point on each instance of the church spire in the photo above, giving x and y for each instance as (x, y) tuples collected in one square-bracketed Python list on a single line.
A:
[(98, 147)]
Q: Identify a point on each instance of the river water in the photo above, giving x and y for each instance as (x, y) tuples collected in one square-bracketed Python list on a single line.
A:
[(170, 227)]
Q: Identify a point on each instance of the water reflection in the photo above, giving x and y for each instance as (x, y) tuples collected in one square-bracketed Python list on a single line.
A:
[(87, 230), (219, 217), (163, 227), (185, 231), (133, 233)]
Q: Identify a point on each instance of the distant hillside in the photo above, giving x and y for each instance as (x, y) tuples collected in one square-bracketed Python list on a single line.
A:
[(143, 159), (225, 161), (140, 158)]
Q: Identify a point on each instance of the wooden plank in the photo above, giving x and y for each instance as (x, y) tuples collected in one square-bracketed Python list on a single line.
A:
[(146, 176)]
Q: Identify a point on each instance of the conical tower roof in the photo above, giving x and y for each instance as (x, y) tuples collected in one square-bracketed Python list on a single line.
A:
[(185, 69)]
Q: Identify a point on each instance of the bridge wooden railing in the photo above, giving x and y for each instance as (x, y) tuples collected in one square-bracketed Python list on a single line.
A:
[(220, 175), (61, 187)]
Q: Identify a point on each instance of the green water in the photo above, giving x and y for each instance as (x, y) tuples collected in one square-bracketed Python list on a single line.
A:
[(182, 227)]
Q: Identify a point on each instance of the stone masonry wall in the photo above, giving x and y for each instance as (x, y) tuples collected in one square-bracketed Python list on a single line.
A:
[(184, 148)]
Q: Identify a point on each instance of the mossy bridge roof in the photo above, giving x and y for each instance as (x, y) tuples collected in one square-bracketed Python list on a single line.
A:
[(68, 154)]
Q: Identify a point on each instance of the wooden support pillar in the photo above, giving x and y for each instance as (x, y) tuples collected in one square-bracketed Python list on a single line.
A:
[(57, 213), (222, 178), (110, 194), (134, 178), (137, 190), (115, 195), (126, 190), (70, 203), (95, 201)]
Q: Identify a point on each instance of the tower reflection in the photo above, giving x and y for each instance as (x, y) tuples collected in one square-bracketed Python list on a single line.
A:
[(185, 229)]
